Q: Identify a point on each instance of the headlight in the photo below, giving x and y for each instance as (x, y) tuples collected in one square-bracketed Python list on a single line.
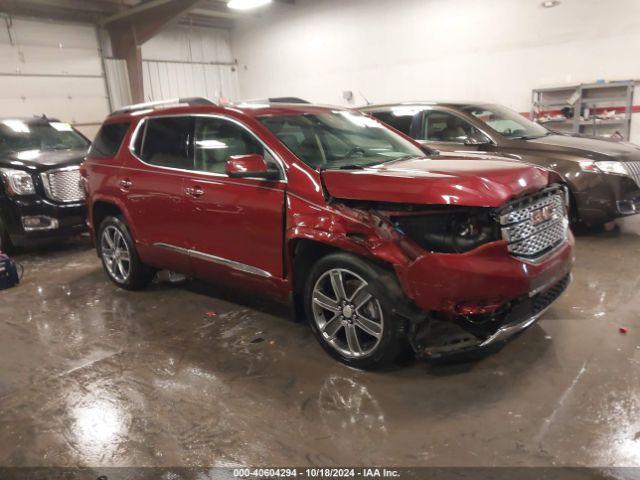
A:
[(617, 168), (17, 182), (454, 231)]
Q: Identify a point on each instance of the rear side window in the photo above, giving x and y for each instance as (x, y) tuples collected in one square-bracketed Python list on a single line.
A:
[(109, 139), (167, 142), (402, 123)]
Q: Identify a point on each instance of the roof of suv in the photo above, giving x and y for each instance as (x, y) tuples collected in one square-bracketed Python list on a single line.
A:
[(386, 106), (250, 109)]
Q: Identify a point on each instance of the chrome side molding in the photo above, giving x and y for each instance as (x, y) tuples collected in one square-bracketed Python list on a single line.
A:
[(241, 267)]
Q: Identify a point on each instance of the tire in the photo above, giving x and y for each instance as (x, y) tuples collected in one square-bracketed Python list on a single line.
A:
[(120, 259), (5, 241), (362, 307)]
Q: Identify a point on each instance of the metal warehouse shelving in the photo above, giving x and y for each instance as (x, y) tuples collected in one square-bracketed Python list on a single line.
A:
[(599, 109)]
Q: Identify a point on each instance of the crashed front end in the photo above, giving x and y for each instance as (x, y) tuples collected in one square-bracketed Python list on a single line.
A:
[(476, 276)]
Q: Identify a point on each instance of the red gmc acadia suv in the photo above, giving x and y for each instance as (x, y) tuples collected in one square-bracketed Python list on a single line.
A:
[(377, 242)]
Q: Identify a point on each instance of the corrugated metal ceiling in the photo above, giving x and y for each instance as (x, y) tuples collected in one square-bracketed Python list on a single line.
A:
[(208, 13)]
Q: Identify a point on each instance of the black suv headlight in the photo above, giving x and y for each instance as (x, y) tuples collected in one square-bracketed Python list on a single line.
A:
[(455, 230), (17, 182)]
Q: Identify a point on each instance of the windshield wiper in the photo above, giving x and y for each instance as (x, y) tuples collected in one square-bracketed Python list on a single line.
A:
[(353, 167), (528, 137)]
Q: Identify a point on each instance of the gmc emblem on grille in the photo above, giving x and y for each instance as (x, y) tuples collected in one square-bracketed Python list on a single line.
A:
[(543, 214)]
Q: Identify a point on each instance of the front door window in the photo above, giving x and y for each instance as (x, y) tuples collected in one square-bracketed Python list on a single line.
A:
[(445, 127)]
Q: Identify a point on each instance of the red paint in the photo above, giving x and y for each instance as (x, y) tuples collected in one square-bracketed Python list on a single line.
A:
[(257, 222), (448, 180), (440, 281), (623, 330), (243, 165)]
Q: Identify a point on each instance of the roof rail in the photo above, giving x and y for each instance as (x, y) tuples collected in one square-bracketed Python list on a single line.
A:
[(276, 100), (288, 100), (191, 101)]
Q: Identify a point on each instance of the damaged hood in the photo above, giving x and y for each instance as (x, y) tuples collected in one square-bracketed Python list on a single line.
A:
[(448, 179)]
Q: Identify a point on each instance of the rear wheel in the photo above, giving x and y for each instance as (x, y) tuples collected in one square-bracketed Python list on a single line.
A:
[(351, 312), (119, 256)]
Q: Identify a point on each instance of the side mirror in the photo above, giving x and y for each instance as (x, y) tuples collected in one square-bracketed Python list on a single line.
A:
[(250, 166), (477, 139)]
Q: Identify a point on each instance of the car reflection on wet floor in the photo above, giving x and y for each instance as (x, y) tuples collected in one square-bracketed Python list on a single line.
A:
[(94, 375)]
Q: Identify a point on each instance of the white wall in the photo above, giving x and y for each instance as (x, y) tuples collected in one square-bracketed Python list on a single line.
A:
[(403, 50), (52, 68), (186, 62)]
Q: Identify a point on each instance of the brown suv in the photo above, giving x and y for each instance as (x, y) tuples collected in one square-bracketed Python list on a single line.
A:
[(602, 175)]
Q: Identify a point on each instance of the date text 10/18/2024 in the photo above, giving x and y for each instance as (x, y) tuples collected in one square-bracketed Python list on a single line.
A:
[(328, 473)]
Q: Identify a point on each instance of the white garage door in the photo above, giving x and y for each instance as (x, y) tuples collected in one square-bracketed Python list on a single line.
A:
[(189, 62), (54, 69)]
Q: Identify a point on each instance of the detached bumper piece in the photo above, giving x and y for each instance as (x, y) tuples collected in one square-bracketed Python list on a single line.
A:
[(436, 338)]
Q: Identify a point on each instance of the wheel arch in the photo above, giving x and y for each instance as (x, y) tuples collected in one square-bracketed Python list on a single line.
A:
[(303, 255), (102, 207)]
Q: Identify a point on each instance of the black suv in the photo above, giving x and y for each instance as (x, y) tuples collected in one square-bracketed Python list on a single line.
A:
[(40, 192)]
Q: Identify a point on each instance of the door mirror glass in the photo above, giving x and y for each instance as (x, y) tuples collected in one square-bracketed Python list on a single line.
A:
[(250, 166)]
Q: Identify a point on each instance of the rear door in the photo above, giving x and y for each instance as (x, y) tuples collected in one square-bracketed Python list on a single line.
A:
[(152, 188), (236, 224)]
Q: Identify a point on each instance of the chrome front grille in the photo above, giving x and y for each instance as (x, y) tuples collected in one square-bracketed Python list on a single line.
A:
[(535, 225), (63, 185), (634, 171)]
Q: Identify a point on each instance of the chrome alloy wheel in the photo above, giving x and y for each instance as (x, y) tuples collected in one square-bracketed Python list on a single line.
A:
[(116, 254), (348, 316)]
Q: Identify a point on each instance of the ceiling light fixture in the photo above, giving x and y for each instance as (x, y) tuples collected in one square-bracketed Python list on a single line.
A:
[(246, 4), (550, 3)]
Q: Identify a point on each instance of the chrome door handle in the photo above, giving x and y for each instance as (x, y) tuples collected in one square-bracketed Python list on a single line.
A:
[(195, 192), (125, 184)]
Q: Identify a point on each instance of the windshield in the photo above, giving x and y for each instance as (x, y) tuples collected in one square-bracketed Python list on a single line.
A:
[(506, 122), (340, 139), (18, 136)]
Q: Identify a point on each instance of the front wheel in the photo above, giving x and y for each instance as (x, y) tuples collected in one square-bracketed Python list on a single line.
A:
[(350, 310), (119, 256)]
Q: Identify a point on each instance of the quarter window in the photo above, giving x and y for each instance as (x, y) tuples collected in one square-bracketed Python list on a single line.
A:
[(446, 127), (167, 142), (217, 139), (109, 139)]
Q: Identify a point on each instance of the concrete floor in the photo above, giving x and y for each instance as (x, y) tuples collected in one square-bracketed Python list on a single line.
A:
[(93, 375)]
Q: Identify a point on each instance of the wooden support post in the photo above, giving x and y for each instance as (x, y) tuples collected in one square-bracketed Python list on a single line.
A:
[(129, 29)]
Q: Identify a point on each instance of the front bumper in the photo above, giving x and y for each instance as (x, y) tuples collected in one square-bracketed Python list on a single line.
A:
[(602, 197), (457, 338), (440, 281), (68, 219), (528, 312), (442, 285)]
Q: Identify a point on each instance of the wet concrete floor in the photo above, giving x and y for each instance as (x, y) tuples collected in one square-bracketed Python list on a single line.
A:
[(91, 375)]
